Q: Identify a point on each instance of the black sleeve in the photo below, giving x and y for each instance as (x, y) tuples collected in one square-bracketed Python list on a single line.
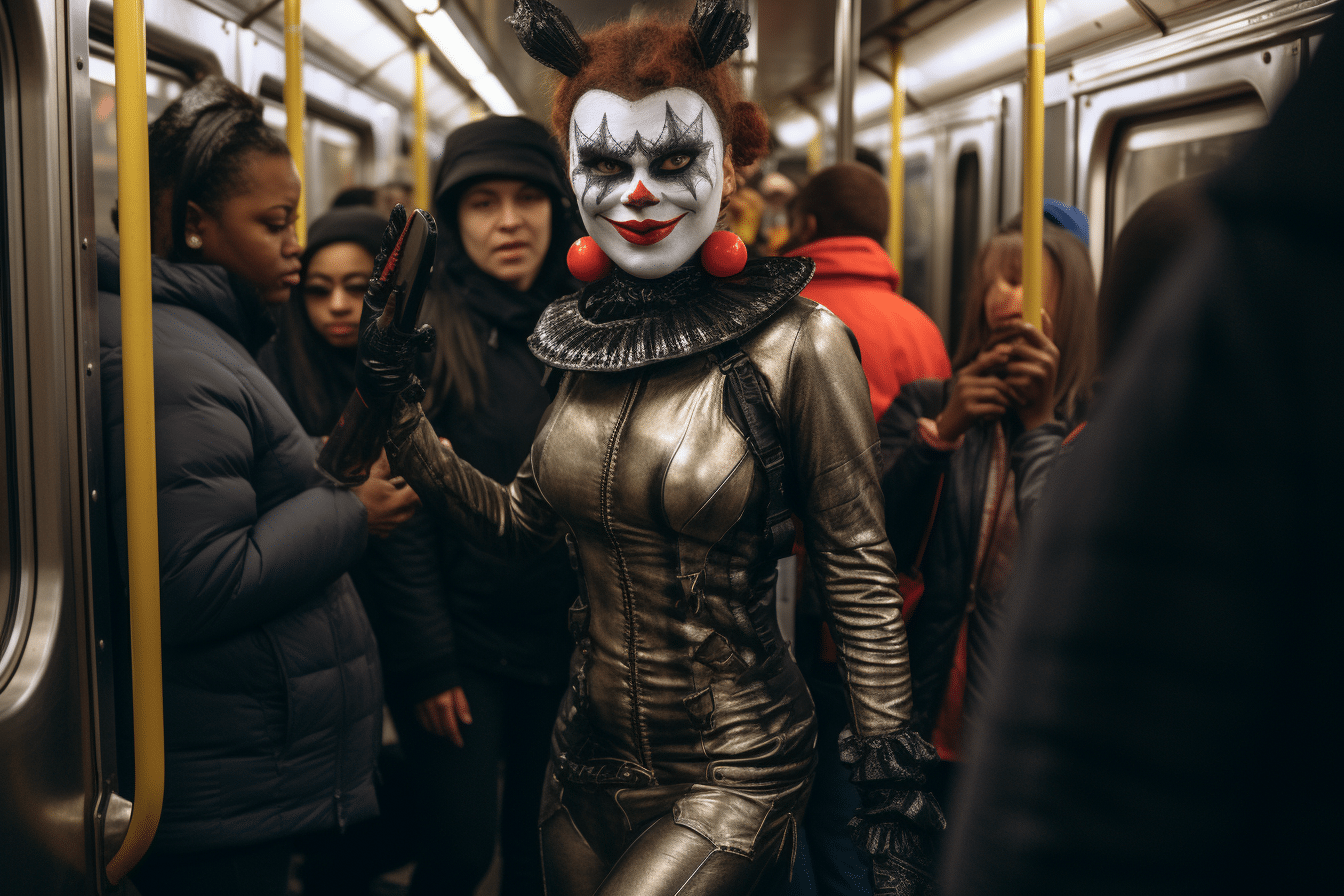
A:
[(1033, 454), (226, 563), (401, 581), (910, 467), (1162, 720)]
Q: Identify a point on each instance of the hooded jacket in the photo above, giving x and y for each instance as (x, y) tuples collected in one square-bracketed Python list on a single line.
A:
[(898, 342), (272, 690), (453, 603)]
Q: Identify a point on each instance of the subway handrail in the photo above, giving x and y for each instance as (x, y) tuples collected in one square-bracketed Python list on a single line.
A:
[(1033, 164), (420, 148), (295, 106), (896, 180), (142, 498)]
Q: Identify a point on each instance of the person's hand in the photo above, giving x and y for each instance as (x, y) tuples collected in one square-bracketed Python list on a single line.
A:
[(389, 501), (385, 364), (386, 360), (977, 394), (445, 714), (1031, 371)]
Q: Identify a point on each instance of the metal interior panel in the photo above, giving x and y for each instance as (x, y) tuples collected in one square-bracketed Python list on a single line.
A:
[(1265, 72), (46, 750)]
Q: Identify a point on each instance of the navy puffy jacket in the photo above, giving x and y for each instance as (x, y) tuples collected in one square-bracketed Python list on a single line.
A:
[(272, 690)]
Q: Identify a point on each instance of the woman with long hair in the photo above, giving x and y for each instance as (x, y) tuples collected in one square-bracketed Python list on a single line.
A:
[(701, 401), (311, 360), (477, 660), (964, 459), (272, 694)]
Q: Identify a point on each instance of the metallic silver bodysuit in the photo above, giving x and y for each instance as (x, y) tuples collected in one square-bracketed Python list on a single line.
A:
[(683, 752)]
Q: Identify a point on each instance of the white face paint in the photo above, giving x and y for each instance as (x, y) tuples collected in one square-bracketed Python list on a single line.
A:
[(649, 176)]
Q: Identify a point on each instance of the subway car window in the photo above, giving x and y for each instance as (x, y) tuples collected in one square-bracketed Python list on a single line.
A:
[(1156, 152), (917, 244), (339, 163), (1057, 152), (162, 86), (965, 234)]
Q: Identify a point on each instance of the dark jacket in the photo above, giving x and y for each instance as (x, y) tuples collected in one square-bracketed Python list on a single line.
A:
[(507, 616), (911, 468), (447, 603), (1164, 718), (272, 692)]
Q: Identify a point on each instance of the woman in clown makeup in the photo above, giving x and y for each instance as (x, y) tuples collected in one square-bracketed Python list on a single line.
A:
[(703, 402)]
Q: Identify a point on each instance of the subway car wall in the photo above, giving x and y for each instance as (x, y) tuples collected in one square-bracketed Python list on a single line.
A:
[(1134, 101)]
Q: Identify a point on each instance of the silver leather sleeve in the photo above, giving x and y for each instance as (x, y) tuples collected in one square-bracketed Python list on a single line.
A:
[(833, 441), (511, 519)]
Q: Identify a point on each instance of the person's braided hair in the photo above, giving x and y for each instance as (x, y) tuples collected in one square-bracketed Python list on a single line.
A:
[(198, 152)]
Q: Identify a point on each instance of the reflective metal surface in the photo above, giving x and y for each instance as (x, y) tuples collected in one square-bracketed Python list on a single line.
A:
[(46, 750)]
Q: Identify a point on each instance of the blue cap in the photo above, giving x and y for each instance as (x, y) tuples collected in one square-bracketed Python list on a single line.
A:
[(1068, 217)]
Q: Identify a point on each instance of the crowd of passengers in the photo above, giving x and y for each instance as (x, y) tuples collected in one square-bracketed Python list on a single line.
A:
[(294, 610)]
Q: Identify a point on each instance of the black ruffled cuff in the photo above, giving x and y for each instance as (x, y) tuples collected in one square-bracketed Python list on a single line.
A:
[(897, 814)]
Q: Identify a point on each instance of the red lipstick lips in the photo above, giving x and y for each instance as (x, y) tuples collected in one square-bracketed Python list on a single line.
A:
[(644, 233)]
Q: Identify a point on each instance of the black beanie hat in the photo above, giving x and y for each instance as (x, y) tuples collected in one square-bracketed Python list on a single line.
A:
[(350, 224), (500, 147)]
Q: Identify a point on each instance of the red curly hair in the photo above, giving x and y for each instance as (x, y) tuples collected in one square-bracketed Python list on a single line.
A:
[(639, 58)]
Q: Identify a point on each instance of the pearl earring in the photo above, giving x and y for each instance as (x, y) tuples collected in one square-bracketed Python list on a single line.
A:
[(194, 241)]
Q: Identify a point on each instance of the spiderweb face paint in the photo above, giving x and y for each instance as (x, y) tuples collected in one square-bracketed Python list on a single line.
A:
[(648, 175)]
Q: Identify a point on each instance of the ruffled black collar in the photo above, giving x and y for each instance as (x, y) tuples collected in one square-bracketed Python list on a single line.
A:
[(623, 322)]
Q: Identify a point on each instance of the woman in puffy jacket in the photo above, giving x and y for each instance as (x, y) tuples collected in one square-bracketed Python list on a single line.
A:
[(272, 692), (972, 453)]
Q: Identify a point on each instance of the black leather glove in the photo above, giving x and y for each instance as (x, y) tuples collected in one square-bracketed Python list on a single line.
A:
[(375, 297), (387, 355), (898, 814), (387, 358)]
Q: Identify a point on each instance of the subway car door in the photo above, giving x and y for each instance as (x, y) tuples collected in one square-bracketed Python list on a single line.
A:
[(54, 792)]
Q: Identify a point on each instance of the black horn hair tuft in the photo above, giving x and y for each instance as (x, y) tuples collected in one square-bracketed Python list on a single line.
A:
[(548, 36), (720, 29)]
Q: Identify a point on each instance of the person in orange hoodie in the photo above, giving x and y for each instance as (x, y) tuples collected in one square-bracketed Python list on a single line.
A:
[(839, 220)]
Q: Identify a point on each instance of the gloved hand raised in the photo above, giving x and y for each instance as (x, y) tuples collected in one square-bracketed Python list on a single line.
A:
[(387, 361), (389, 339)]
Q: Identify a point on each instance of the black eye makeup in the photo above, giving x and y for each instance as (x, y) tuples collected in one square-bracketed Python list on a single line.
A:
[(675, 161), (679, 155)]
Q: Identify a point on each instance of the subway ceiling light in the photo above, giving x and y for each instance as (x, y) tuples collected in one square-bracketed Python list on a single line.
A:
[(872, 94), (445, 34), (355, 29), (796, 129)]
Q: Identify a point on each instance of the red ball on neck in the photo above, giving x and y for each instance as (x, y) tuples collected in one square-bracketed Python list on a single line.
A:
[(723, 254), (587, 261)]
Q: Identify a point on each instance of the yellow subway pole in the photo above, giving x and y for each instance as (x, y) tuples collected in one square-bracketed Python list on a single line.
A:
[(294, 105), (815, 152), (1033, 163), (419, 148), (142, 495), (896, 180)]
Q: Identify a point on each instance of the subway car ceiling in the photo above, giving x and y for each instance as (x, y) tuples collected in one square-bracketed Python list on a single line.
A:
[(359, 67), (1138, 93)]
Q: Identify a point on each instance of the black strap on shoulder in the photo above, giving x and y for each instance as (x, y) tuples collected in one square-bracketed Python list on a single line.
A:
[(763, 435)]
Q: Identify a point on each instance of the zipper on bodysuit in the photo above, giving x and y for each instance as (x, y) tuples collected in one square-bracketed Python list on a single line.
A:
[(627, 598)]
